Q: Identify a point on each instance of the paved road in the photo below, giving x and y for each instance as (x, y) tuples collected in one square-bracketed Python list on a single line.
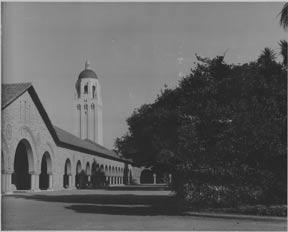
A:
[(115, 209)]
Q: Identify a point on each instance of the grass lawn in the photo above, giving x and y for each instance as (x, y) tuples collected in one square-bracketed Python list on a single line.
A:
[(260, 210)]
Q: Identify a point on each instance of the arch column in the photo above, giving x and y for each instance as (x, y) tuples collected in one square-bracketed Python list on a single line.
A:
[(34, 181), (72, 181), (154, 178), (6, 186), (50, 187), (70, 186)]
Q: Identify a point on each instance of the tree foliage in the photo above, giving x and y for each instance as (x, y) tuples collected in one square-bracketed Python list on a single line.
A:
[(98, 178), (222, 130)]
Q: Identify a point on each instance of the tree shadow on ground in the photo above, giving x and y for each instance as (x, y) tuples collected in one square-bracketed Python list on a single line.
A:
[(126, 199), (139, 188), (150, 210), (122, 204)]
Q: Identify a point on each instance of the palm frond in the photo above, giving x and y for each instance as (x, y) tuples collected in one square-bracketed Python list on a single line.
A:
[(284, 50), (284, 16)]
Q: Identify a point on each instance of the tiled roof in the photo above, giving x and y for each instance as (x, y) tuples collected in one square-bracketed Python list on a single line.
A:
[(70, 139), (12, 91)]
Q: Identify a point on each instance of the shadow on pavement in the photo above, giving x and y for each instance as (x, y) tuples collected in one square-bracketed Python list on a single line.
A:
[(123, 204), (151, 210), (139, 188), (125, 199)]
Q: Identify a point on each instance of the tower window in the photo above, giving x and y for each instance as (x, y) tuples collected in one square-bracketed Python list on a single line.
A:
[(93, 91), (86, 89), (92, 106), (85, 107), (78, 107)]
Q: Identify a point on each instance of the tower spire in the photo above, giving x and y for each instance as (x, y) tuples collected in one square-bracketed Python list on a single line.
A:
[(87, 64)]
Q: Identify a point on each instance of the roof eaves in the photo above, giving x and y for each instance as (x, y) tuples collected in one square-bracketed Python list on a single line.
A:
[(43, 113), (88, 151)]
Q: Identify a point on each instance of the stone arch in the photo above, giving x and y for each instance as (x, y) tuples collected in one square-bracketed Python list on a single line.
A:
[(88, 170), (106, 168), (94, 170), (68, 167), (78, 167), (78, 181), (94, 167), (24, 165), (67, 173), (47, 147), (146, 177), (46, 170), (78, 171), (25, 133)]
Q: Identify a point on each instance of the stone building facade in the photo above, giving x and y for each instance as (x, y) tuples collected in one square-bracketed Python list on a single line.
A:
[(36, 155)]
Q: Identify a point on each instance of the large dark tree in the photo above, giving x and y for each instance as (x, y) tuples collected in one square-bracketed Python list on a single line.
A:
[(223, 127)]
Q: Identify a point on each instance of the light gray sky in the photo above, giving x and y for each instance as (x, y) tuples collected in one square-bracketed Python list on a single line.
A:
[(134, 48)]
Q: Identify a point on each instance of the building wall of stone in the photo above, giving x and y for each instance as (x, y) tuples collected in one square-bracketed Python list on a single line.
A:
[(21, 120)]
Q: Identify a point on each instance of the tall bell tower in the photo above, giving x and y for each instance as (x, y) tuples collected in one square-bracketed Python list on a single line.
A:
[(88, 104)]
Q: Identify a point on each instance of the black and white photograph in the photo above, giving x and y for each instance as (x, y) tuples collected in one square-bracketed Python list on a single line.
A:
[(144, 116)]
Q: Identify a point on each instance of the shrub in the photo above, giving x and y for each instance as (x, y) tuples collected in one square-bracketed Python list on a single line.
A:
[(98, 179)]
